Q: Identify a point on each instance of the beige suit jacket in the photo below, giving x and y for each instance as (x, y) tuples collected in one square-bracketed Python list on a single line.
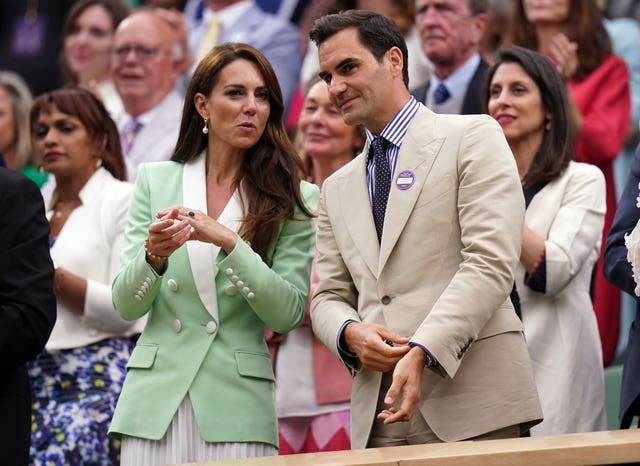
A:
[(441, 275)]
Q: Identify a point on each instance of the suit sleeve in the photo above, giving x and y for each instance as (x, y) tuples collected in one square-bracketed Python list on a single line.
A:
[(283, 52), (137, 284), (336, 297), (27, 302), (576, 228), (491, 214), (617, 268), (278, 293), (98, 308)]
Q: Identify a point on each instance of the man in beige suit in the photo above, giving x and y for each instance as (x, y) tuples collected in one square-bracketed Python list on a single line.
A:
[(418, 238)]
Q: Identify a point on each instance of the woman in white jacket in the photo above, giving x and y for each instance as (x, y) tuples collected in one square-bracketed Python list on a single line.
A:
[(77, 378), (561, 240)]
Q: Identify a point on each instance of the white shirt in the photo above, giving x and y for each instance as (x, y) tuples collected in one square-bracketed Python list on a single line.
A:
[(456, 83)]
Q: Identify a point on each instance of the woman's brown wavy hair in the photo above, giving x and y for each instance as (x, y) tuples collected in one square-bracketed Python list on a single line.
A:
[(270, 168)]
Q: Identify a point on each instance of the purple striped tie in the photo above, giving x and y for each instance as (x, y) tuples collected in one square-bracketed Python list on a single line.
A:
[(129, 132)]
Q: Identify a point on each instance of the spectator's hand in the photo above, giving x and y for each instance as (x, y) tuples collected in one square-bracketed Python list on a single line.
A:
[(165, 236), (207, 229), (370, 342), (407, 379), (564, 55)]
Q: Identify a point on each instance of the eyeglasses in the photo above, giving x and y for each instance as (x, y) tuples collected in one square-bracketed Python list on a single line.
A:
[(142, 52)]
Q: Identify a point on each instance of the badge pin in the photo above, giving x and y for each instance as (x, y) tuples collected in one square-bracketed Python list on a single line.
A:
[(405, 179)]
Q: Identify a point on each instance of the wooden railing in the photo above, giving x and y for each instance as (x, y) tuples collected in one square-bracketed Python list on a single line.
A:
[(594, 448)]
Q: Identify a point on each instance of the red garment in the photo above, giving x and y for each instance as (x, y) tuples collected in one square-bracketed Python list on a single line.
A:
[(604, 100), (331, 378)]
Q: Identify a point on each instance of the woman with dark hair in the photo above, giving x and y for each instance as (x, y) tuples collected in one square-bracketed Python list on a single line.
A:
[(572, 34), (565, 205), (218, 247), (78, 377), (87, 37)]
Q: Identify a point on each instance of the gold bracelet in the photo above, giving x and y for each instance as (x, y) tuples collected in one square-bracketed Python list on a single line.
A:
[(152, 256)]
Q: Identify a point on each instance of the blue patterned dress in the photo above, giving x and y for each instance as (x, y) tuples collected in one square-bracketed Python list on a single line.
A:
[(74, 394)]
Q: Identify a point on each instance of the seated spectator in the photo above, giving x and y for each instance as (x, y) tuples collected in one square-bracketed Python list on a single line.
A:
[(572, 35), (15, 148), (313, 387), (88, 39), (27, 306), (450, 32), (565, 205), (244, 21), (78, 377), (146, 62)]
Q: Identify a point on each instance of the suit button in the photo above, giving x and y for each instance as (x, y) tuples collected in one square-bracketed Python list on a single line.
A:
[(230, 290), (239, 283), (177, 325), (211, 327), (172, 284), (251, 295), (229, 271), (246, 290), (234, 278), (386, 299)]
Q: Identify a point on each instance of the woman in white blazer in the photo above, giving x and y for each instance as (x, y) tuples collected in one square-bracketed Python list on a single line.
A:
[(561, 240), (76, 380)]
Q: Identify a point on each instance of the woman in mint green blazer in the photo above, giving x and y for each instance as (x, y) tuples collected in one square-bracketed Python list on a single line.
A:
[(218, 246)]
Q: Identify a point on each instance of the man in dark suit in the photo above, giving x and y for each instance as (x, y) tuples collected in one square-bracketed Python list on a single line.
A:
[(450, 31), (617, 270), (27, 306)]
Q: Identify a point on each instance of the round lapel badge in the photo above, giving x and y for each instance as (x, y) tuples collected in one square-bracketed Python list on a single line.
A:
[(405, 179)]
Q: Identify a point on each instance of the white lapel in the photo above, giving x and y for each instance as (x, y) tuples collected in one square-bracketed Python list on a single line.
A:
[(202, 256)]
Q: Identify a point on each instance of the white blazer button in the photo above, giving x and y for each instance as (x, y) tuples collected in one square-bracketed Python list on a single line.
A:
[(235, 278), (140, 294), (137, 298), (229, 271), (246, 290), (230, 290), (211, 327), (239, 283), (148, 280), (172, 284), (177, 325), (251, 295)]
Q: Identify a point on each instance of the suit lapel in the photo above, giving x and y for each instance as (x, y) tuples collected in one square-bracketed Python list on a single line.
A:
[(202, 256), (354, 192), (417, 154)]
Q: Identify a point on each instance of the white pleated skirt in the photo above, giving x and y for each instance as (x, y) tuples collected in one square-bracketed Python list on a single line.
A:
[(184, 444)]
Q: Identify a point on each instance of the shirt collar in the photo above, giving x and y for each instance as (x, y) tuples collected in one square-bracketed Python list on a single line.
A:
[(458, 81), (396, 128)]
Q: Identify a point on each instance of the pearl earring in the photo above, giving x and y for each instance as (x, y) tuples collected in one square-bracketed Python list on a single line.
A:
[(205, 128)]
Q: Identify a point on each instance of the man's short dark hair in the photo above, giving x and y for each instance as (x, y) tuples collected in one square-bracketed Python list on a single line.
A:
[(376, 32)]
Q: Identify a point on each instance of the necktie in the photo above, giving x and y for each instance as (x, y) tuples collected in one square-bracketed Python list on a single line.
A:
[(129, 132), (382, 178), (441, 94), (210, 38)]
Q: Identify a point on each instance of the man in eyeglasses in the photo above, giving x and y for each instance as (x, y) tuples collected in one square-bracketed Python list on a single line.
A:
[(146, 62)]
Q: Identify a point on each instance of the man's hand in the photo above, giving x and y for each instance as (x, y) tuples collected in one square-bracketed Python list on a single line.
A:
[(370, 343), (407, 379)]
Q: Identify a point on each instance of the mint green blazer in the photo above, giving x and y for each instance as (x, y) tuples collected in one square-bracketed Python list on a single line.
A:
[(197, 341)]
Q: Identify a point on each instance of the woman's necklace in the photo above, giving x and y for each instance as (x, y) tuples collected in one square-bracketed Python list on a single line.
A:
[(64, 208)]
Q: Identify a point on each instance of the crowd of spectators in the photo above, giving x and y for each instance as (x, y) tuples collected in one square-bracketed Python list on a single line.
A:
[(92, 89)]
